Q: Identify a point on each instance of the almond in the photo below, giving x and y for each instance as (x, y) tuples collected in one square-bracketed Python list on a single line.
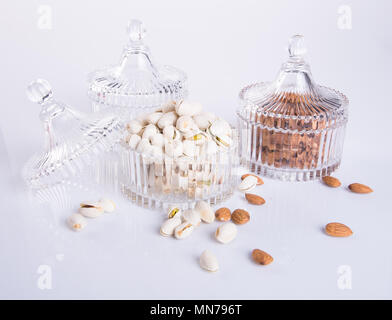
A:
[(254, 199), (261, 257), (259, 180), (331, 182), (336, 229), (359, 188), (240, 216), (223, 214)]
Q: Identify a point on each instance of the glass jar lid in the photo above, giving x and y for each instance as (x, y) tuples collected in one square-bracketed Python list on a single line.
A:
[(137, 81), (72, 139), (293, 95)]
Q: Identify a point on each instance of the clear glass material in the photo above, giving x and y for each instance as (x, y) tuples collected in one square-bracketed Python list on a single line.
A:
[(160, 181), (73, 142), (292, 129), (136, 84)]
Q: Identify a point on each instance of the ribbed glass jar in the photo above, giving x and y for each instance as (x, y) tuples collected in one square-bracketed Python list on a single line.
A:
[(73, 140), (136, 85), (156, 182), (74, 145), (292, 129)]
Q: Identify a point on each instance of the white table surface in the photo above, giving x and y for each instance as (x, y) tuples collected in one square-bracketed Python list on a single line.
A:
[(222, 46)]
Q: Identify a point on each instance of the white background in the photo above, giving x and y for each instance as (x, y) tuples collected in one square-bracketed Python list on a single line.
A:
[(222, 46)]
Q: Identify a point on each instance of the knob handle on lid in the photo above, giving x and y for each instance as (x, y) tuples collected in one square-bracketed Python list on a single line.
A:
[(297, 47), (136, 31), (39, 91)]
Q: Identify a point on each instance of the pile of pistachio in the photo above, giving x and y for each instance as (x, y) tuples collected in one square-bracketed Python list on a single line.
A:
[(179, 130), (181, 224)]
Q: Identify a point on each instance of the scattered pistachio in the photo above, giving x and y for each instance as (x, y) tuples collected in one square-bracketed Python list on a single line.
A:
[(168, 227), (208, 261), (184, 230), (107, 205), (77, 222)]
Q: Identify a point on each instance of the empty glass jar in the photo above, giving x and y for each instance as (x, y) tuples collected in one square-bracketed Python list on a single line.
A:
[(73, 141), (136, 85), (292, 128)]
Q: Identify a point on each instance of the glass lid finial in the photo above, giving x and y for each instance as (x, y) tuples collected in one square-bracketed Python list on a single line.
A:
[(39, 91), (297, 48), (136, 31)]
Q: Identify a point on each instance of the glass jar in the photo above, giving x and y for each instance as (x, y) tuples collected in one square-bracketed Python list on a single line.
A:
[(136, 85), (73, 143), (199, 165), (292, 129)]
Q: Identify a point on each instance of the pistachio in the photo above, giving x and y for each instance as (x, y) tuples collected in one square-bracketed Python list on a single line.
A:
[(208, 261), (168, 119), (183, 162), (149, 131), (189, 148), (107, 205), (185, 124), (226, 232), (173, 148), (77, 222), (248, 184), (154, 117), (142, 119), (199, 138), (205, 211), (144, 146), (188, 135), (168, 227), (204, 120), (171, 133), (134, 126), (186, 108), (209, 115), (191, 216), (133, 141), (158, 140), (259, 180), (174, 212), (156, 153), (223, 140), (220, 128), (184, 230), (169, 107), (210, 147), (90, 209)]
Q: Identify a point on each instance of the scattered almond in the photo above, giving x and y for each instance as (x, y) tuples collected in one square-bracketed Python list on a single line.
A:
[(223, 214), (259, 180), (336, 229), (254, 199), (240, 216), (261, 257), (331, 182), (359, 188)]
